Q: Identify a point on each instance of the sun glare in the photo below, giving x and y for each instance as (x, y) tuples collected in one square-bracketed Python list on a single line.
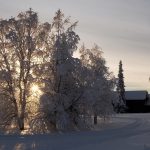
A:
[(35, 90)]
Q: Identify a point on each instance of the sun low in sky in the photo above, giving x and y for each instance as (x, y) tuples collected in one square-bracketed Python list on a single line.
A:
[(120, 27), (36, 90)]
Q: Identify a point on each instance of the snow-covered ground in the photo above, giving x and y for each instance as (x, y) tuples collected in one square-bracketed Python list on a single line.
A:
[(122, 132)]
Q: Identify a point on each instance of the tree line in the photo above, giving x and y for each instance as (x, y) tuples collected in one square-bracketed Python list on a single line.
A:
[(71, 91)]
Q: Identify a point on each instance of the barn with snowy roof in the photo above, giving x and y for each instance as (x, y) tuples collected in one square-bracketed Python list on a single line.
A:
[(136, 101)]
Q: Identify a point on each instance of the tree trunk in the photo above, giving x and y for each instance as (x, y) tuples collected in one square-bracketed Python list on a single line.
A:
[(21, 123), (20, 118), (95, 119), (23, 108)]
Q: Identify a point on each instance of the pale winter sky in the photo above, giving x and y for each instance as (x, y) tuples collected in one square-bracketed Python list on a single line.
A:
[(120, 27)]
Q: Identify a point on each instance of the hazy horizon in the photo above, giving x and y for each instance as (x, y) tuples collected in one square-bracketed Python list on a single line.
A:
[(121, 28)]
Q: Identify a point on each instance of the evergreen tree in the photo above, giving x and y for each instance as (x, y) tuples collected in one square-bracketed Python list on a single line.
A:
[(120, 88)]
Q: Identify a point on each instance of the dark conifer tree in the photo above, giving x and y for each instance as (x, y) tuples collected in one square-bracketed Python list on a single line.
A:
[(121, 86)]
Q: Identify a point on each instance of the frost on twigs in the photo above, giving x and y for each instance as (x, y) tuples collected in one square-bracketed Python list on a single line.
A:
[(45, 87)]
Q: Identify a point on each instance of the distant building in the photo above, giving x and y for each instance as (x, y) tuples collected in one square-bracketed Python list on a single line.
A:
[(137, 101)]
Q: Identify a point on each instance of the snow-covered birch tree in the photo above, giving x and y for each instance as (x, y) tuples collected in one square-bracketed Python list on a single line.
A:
[(17, 45), (99, 82)]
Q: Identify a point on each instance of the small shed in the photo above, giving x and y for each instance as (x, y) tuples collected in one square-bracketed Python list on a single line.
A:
[(136, 100)]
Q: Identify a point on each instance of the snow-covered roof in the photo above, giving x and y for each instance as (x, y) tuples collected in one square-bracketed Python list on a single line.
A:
[(136, 95)]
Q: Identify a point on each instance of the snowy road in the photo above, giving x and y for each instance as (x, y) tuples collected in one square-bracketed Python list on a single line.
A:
[(126, 132)]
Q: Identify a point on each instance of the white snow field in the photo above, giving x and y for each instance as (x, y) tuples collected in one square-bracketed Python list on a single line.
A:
[(122, 132)]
